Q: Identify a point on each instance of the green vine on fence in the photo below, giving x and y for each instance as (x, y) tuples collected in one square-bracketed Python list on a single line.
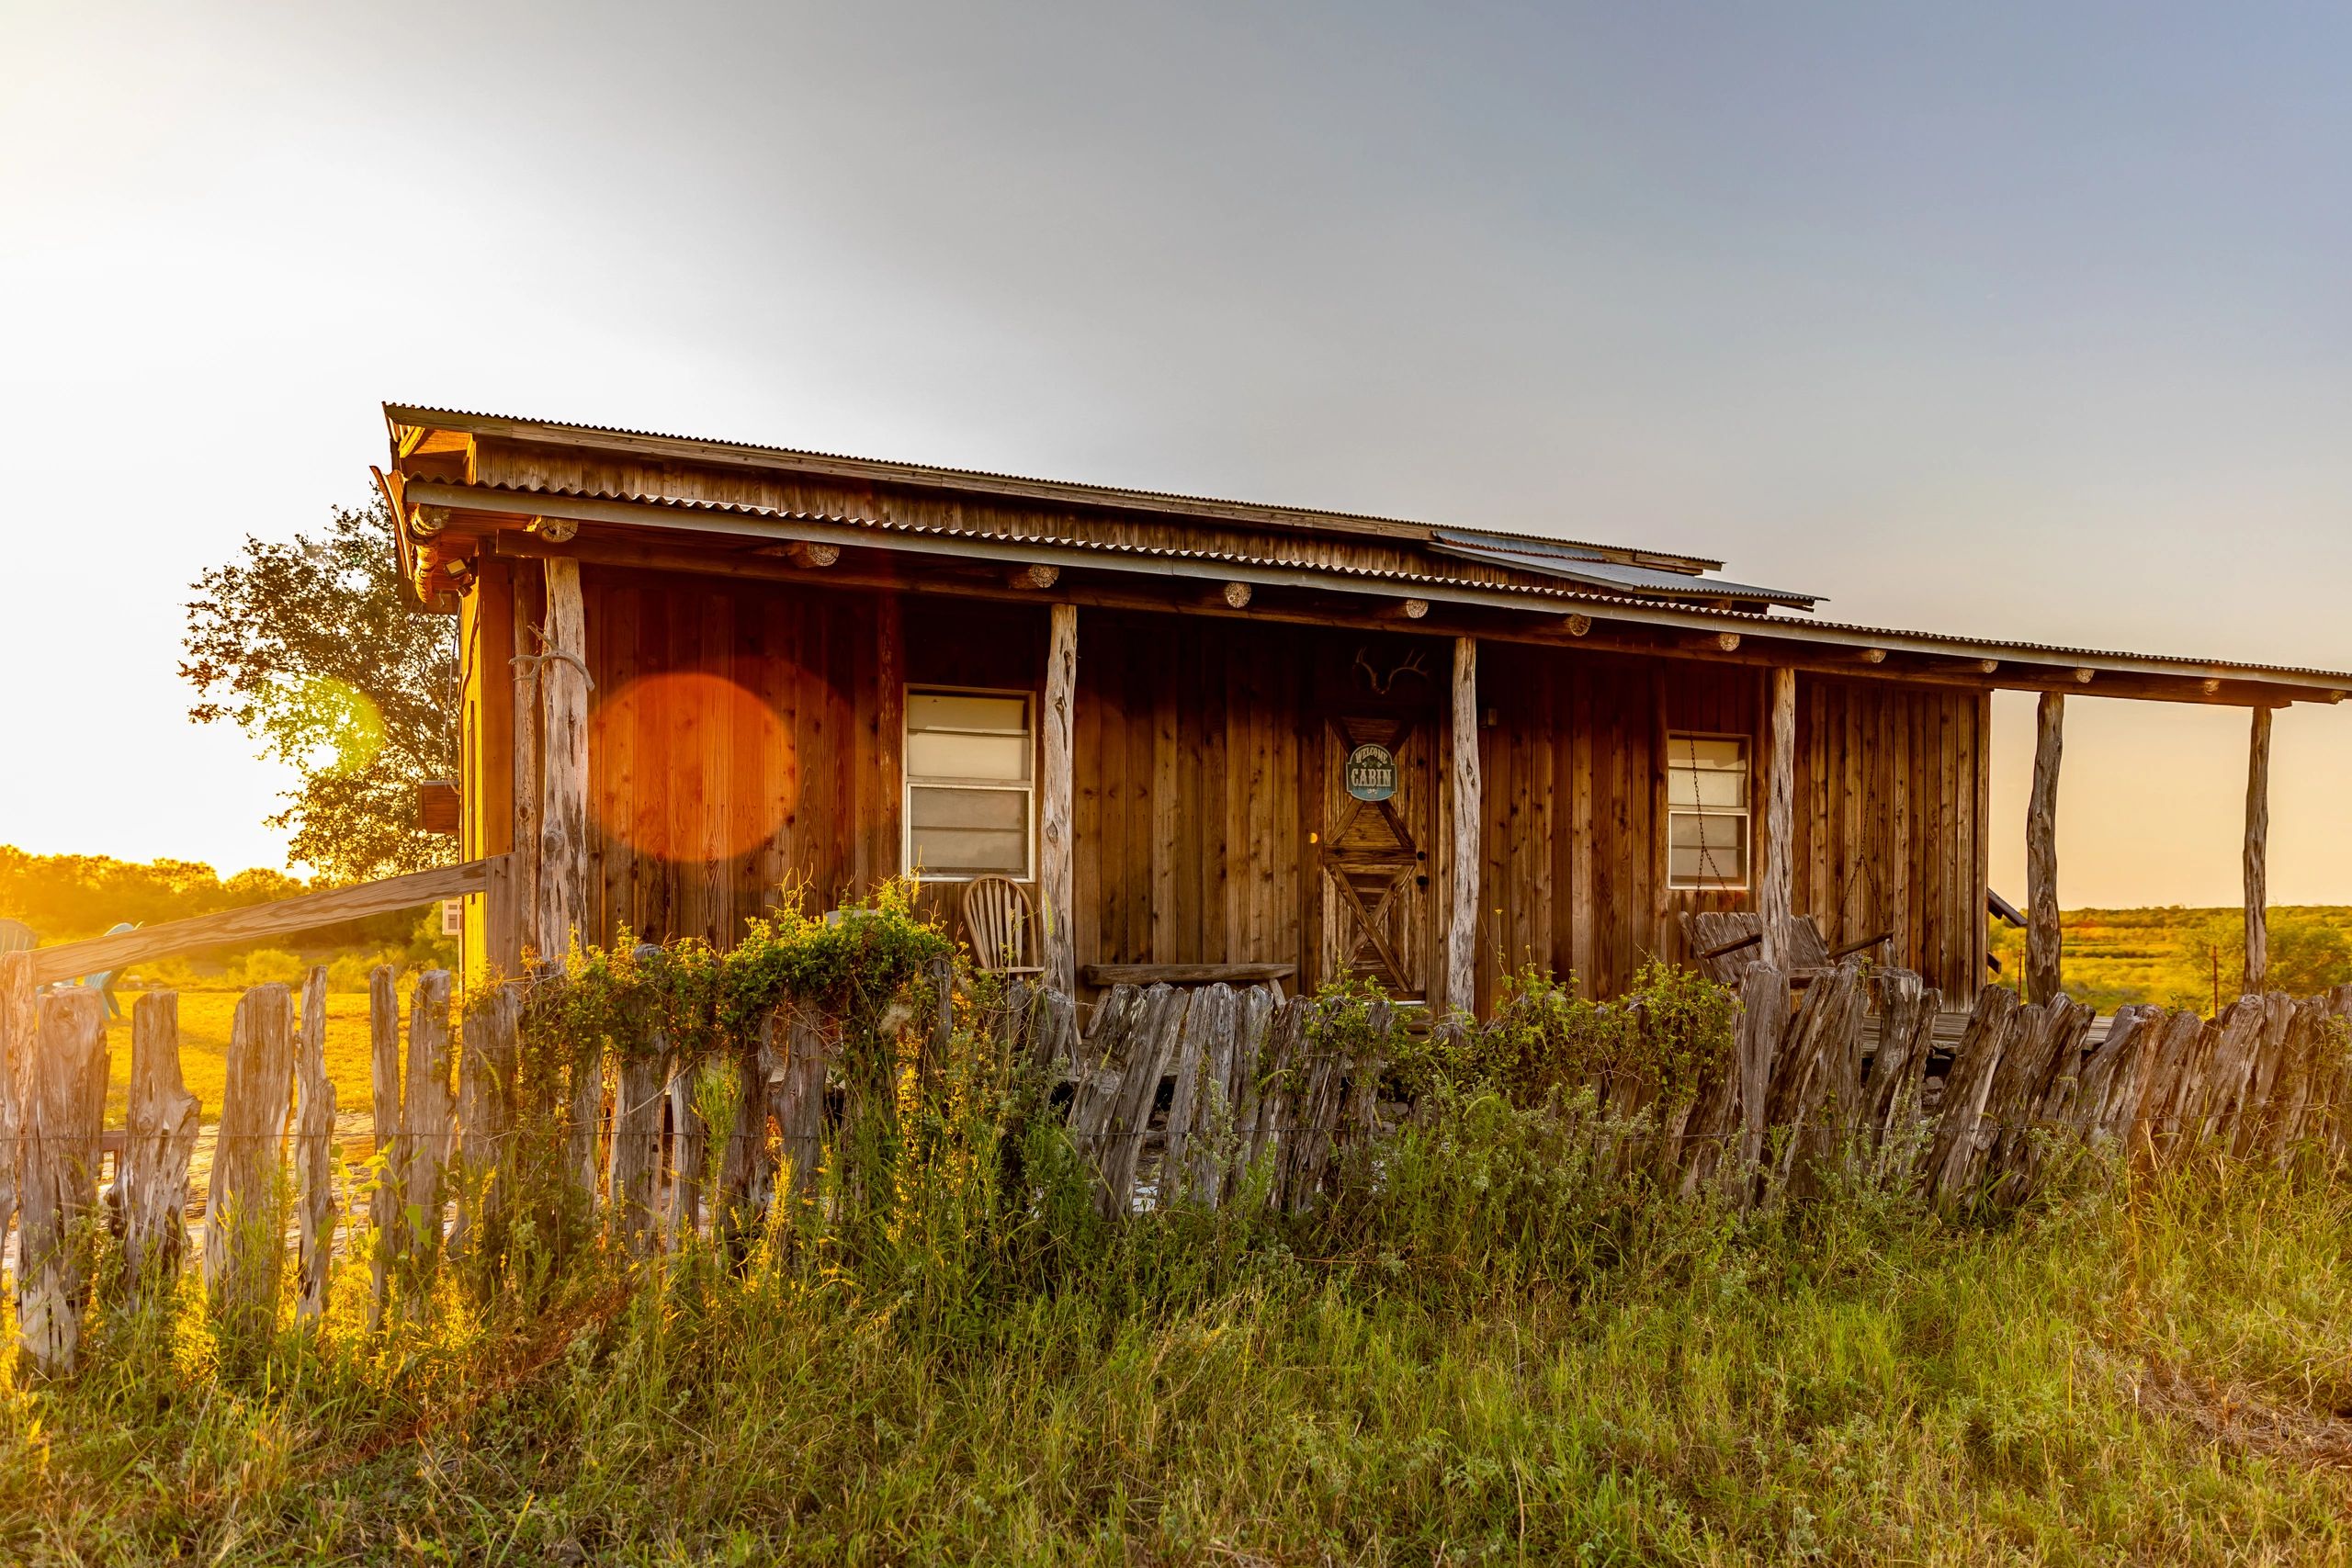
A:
[(688, 997)]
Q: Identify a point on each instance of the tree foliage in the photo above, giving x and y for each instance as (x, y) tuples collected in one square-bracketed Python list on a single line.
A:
[(307, 647), (66, 897)]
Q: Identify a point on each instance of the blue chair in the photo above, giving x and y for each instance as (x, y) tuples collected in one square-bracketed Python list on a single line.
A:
[(104, 981)]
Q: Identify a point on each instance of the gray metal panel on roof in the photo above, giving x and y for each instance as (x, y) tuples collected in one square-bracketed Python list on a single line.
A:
[(1613, 577)]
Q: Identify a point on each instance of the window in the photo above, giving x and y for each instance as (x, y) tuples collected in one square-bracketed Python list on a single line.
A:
[(969, 784), (1706, 811)]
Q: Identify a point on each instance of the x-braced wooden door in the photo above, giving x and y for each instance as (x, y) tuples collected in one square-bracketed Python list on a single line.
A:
[(1377, 870)]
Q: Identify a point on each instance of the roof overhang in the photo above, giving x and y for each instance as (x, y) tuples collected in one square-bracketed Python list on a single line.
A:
[(673, 535)]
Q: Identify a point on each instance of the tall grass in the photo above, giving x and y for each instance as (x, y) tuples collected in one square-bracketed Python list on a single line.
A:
[(1492, 1344)]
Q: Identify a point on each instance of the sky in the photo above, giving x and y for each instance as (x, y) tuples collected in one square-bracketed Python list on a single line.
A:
[(2016, 321)]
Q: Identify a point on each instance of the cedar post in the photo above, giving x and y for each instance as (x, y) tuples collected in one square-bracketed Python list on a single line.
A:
[(563, 765), (161, 1120), (1056, 866), (2258, 834), (1462, 918), (313, 1150), (244, 1229), (65, 1107), (2042, 945), (1772, 886), (390, 1156), (19, 1014), (522, 905), (428, 1114)]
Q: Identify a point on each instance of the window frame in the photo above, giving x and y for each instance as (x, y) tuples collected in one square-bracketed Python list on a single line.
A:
[(1745, 812), (908, 780)]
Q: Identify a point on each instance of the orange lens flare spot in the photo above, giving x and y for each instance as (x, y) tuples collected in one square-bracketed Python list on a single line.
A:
[(691, 767)]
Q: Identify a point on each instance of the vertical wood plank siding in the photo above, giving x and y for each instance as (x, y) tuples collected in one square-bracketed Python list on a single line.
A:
[(1189, 758), (1202, 770), (1888, 790)]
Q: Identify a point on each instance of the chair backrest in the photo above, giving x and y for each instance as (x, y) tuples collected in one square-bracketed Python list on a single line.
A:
[(1000, 923), (17, 937), (1712, 930)]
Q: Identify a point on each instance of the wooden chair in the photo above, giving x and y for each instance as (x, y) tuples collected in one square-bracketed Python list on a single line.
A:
[(1724, 944), (1002, 925), (17, 937)]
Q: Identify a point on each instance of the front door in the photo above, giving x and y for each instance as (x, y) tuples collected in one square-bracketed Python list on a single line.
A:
[(1380, 811)]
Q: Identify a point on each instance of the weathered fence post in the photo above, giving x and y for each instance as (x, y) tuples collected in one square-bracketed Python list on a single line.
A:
[(1817, 1081), (746, 1180), (1950, 1160), (19, 1024), (244, 1227), (587, 1115), (1763, 1019), (486, 1115), (1280, 1071), (428, 1110), (65, 1109), (314, 1152), (1252, 1032), (1151, 1041), (163, 1118), (1208, 1024), (796, 1087), (391, 1148), (689, 1145), (637, 1137)]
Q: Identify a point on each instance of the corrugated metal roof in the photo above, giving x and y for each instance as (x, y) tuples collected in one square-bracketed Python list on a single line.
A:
[(1537, 595), (419, 414), (1641, 581)]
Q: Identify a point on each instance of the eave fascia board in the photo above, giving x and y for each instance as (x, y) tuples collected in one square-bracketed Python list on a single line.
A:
[(781, 528)]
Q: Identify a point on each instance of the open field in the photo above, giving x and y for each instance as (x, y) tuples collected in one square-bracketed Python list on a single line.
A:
[(2177, 957), (205, 1021)]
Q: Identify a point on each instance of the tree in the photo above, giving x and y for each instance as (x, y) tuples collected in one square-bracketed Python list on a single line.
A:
[(307, 647), (2308, 954)]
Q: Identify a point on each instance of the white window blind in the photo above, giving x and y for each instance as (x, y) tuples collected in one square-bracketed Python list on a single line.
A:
[(1707, 812), (970, 786)]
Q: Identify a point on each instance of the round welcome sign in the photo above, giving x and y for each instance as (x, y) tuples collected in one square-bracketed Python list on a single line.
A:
[(1372, 772)]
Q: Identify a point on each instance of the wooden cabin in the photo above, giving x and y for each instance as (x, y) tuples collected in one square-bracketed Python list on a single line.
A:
[(1205, 737)]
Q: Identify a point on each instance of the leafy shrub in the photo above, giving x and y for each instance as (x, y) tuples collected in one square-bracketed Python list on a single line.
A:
[(1669, 1036)]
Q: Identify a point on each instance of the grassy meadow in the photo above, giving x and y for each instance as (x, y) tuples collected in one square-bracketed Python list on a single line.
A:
[(2182, 958), (2156, 1374)]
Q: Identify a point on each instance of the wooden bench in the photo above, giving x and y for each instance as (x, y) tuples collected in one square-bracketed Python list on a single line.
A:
[(1189, 974)]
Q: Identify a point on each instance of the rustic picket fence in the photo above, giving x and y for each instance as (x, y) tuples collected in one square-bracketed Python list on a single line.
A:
[(1171, 1095)]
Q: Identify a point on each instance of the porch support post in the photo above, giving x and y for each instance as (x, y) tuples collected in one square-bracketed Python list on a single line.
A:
[(564, 764), (2257, 835), (521, 904), (1057, 865), (2041, 936), (1772, 885), (1461, 918)]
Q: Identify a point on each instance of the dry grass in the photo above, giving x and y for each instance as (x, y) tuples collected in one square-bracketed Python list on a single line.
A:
[(205, 1019)]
